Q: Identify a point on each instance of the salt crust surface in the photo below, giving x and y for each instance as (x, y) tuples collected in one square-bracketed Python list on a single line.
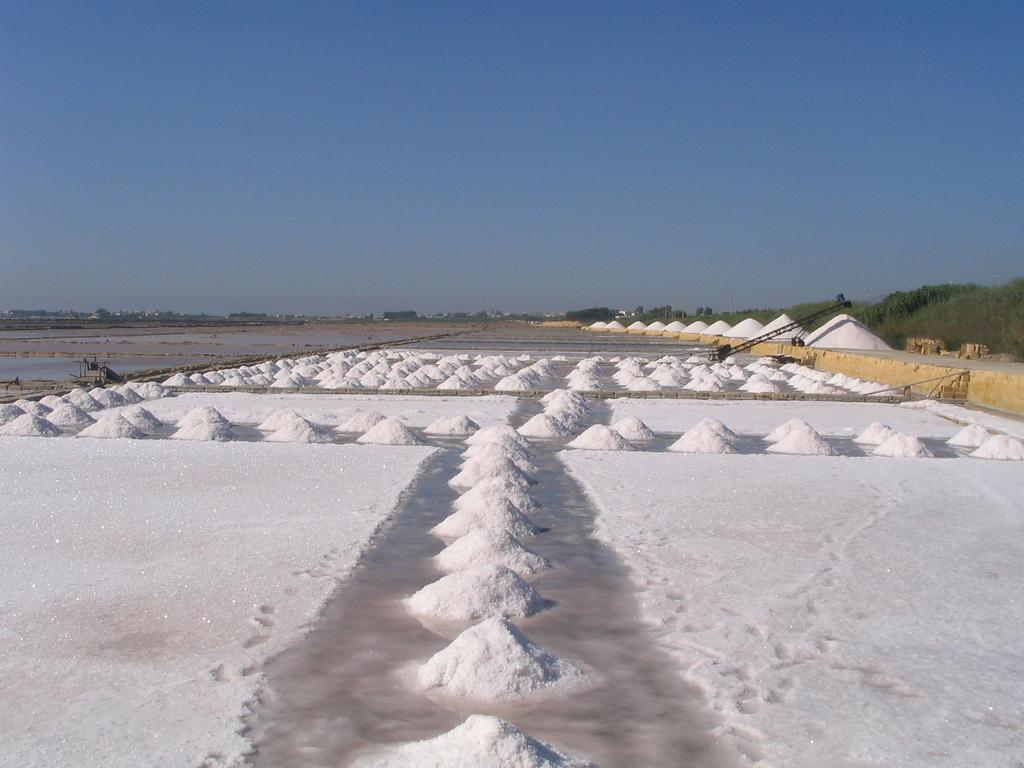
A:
[(494, 661), (808, 622), (759, 418), (481, 741), (1012, 427), (475, 594), (486, 546), (125, 619)]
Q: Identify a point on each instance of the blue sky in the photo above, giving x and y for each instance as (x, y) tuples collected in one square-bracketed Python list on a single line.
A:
[(340, 157)]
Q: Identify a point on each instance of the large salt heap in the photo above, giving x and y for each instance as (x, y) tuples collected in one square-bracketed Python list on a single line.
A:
[(475, 594), (745, 329), (844, 332), (781, 322), (490, 546), (390, 432), (601, 438), (113, 426), (718, 328), (29, 425), (480, 742), (1000, 447), (458, 426), (493, 661)]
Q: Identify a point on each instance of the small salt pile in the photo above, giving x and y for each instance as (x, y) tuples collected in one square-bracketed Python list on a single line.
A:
[(204, 423), (66, 414), (142, 418), (902, 446), (493, 661), (362, 421), (497, 488), (113, 426), (704, 438), (30, 425), (33, 407), (782, 431), (452, 426), (1000, 447), (490, 546), (601, 438), (475, 594), (498, 452), (971, 436), (800, 438), (633, 429), (300, 430), (83, 400), (487, 513), (875, 434), (480, 742), (390, 432), (178, 380), (544, 426), (477, 471), (496, 433), (9, 412), (279, 418)]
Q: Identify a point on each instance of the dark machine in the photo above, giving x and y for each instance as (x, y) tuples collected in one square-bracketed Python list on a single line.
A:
[(722, 352)]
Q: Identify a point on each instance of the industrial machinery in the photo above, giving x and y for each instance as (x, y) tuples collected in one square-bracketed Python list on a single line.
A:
[(720, 353)]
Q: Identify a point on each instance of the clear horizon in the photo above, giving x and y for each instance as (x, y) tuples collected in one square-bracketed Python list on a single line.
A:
[(334, 159)]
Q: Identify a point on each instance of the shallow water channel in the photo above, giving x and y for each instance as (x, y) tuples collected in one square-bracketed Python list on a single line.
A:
[(341, 691)]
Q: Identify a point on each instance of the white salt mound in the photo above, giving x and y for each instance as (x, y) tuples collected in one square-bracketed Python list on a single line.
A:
[(475, 594), (498, 433), (633, 429), (204, 414), (142, 418), (279, 418), (300, 430), (210, 431), (902, 446), (33, 407), (875, 434), (499, 452), (9, 412), (490, 546), (496, 488), (601, 438), (480, 742), (493, 661), (802, 441), (83, 400), (452, 425), (1001, 447), (30, 425), (718, 428), (702, 438), (844, 332), (113, 426), (971, 436), (486, 513), (477, 472), (543, 426), (390, 432), (783, 430), (362, 421), (66, 414)]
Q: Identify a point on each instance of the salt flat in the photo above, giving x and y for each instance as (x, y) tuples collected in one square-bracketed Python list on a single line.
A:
[(144, 581), (837, 611)]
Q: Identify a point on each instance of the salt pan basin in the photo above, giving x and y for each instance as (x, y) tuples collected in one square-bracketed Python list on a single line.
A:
[(837, 611), (144, 579)]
